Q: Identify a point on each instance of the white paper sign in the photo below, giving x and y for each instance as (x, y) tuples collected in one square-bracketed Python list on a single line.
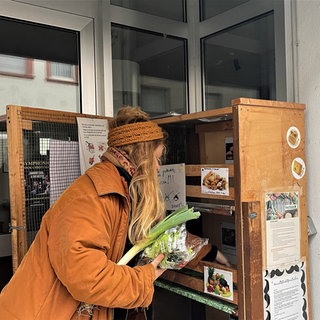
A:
[(172, 179), (285, 293), (93, 135), (282, 228)]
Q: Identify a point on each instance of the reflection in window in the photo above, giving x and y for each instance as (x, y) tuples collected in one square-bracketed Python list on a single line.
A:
[(38, 83), (239, 61), (169, 9), (151, 61), (210, 8), (16, 66), (62, 72), (25, 48)]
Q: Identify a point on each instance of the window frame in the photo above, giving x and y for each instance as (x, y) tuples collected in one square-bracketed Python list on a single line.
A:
[(74, 80)]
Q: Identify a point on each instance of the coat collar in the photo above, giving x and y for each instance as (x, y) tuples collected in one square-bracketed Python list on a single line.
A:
[(106, 179)]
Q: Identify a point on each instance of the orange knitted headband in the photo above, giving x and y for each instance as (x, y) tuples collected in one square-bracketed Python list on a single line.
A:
[(134, 132)]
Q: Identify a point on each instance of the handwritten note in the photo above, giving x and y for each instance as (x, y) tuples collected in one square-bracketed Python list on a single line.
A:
[(172, 181)]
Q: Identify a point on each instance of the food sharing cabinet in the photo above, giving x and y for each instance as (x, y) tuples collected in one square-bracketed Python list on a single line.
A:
[(244, 170)]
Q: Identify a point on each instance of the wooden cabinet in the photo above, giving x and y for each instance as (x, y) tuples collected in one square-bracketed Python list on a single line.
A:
[(268, 161)]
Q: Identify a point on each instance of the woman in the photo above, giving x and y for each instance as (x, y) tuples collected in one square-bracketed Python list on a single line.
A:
[(70, 270)]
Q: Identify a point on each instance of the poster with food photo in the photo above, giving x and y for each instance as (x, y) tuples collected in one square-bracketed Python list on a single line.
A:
[(215, 181), (282, 228), (218, 282)]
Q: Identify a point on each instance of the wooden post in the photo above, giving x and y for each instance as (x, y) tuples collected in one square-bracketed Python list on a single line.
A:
[(16, 186)]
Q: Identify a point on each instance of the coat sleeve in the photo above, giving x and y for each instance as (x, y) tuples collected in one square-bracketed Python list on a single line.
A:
[(80, 236)]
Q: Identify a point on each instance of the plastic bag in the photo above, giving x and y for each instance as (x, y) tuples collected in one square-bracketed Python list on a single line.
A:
[(178, 246)]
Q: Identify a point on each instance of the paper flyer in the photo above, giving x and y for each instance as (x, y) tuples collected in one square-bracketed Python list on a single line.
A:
[(282, 228), (285, 293), (93, 136)]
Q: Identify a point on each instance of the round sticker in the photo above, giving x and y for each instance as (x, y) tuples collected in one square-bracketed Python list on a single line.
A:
[(293, 137), (298, 168)]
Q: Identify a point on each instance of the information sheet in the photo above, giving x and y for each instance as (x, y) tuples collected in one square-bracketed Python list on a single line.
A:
[(93, 136), (285, 293), (282, 228)]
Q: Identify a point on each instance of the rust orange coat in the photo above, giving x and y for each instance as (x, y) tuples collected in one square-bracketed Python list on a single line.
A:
[(73, 257)]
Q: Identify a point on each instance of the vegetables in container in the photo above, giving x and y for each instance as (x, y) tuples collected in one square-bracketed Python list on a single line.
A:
[(177, 246), (174, 219)]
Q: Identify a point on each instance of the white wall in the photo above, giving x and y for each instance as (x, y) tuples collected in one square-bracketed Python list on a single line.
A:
[(307, 55)]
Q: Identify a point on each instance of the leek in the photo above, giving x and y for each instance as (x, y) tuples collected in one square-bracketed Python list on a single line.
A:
[(174, 219)]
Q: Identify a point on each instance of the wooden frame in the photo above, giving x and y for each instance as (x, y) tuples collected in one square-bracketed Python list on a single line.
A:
[(262, 162), (19, 118)]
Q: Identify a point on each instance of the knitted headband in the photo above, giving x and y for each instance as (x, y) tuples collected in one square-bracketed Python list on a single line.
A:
[(134, 132)]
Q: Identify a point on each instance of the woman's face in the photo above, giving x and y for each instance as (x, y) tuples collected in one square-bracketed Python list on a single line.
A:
[(158, 155)]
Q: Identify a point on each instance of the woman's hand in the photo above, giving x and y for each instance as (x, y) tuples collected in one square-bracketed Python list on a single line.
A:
[(159, 271)]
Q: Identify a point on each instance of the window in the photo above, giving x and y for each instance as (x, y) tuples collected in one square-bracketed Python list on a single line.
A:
[(239, 62), (16, 66), (152, 61), (62, 72), (37, 65)]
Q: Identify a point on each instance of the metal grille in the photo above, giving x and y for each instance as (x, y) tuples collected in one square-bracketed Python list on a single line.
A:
[(37, 160)]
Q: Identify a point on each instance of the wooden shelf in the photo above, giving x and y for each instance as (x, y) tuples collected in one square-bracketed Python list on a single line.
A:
[(262, 163)]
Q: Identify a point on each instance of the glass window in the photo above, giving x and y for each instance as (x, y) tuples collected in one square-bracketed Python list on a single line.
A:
[(175, 10), (239, 61), (149, 70), (210, 8), (26, 66)]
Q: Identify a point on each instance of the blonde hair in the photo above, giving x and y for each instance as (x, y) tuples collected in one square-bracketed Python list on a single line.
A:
[(146, 199)]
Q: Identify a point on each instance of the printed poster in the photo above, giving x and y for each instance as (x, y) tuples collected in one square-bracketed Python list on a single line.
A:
[(215, 181), (285, 293), (93, 136), (282, 228), (218, 282), (172, 179)]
